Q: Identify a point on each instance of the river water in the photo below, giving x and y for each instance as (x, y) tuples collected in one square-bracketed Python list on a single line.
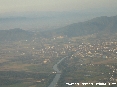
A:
[(57, 76)]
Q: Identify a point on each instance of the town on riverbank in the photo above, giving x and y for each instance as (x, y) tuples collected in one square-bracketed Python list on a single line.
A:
[(27, 57), (30, 62)]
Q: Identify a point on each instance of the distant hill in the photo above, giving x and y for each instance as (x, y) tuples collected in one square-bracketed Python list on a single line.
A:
[(102, 24), (99, 24), (15, 34)]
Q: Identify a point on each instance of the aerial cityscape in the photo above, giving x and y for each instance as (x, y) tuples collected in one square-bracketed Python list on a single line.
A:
[(58, 43)]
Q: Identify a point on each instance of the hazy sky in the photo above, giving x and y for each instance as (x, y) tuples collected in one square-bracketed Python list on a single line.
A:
[(55, 5), (61, 12)]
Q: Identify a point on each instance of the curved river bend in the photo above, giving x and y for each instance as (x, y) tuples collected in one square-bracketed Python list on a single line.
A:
[(57, 77)]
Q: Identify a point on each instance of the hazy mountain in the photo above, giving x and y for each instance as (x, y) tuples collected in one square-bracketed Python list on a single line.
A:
[(99, 24), (15, 34), (46, 20)]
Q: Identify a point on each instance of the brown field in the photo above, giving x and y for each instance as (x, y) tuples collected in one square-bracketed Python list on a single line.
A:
[(107, 61)]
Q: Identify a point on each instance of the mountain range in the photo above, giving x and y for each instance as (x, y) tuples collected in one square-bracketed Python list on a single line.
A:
[(99, 24), (102, 24)]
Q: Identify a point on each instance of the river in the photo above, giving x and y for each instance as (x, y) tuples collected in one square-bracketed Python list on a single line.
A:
[(58, 73)]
